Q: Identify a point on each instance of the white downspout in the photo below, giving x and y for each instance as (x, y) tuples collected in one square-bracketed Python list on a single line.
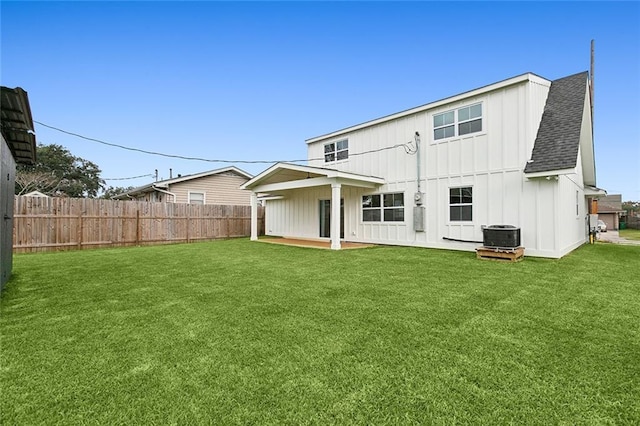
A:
[(166, 192)]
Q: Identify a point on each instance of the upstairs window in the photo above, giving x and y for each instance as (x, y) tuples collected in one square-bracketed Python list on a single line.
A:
[(336, 151), (383, 207), (457, 122), (443, 125), (461, 204)]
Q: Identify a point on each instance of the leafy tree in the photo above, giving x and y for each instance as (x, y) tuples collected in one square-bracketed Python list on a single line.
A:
[(112, 191), (631, 206), (57, 172)]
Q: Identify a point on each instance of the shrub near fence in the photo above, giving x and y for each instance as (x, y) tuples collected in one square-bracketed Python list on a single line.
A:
[(49, 224)]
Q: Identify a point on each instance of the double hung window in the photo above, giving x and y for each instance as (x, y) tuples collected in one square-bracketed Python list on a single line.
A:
[(461, 204)]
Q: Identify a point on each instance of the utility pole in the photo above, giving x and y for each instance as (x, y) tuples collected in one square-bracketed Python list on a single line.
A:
[(591, 86)]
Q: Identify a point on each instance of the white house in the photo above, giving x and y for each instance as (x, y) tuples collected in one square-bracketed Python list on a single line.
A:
[(517, 152)]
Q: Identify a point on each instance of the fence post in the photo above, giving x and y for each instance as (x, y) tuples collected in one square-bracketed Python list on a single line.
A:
[(138, 227), (79, 234), (188, 221)]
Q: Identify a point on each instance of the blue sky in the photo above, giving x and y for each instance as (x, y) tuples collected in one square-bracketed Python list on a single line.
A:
[(251, 81)]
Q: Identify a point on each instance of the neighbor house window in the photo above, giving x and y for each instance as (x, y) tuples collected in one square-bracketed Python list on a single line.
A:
[(383, 207), (457, 122), (196, 197), (461, 204), (336, 151)]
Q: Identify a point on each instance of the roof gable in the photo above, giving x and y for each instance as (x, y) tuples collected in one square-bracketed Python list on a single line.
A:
[(283, 176), (164, 184), (558, 139), (231, 169)]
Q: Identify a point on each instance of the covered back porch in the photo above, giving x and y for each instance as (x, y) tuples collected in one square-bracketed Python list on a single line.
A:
[(282, 179)]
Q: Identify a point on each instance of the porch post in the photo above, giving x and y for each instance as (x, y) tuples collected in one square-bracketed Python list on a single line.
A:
[(254, 216), (335, 216)]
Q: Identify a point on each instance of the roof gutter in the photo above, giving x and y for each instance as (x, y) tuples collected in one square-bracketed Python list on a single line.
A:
[(165, 192)]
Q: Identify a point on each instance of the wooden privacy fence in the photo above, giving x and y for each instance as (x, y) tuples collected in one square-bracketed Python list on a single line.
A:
[(50, 224)]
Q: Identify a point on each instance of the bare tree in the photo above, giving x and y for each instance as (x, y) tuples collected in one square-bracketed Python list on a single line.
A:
[(37, 180)]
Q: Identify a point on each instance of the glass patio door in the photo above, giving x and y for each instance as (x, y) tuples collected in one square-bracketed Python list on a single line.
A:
[(325, 218)]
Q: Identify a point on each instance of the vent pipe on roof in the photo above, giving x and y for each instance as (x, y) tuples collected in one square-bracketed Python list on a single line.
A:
[(170, 173), (156, 175)]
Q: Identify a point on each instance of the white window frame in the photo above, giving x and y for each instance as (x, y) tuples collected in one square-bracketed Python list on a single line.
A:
[(204, 197), (451, 120), (460, 204), (382, 208), (336, 149)]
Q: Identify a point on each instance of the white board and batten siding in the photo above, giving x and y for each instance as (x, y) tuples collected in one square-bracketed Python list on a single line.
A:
[(490, 161), (223, 188), (550, 212)]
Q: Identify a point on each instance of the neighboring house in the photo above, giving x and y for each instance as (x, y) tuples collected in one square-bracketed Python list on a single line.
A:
[(610, 210), (18, 146), (517, 152), (35, 194), (220, 186)]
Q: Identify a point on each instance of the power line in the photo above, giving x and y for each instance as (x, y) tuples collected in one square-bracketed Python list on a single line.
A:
[(408, 148), (144, 151), (127, 178)]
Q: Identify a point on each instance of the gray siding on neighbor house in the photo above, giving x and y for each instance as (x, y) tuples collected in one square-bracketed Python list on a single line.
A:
[(8, 174), (223, 188)]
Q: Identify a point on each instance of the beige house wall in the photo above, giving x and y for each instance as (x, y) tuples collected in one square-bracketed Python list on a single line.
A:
[(221, 188)]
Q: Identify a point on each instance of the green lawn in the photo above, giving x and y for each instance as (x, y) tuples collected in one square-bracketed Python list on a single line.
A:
[(630, 234), (238, 332)]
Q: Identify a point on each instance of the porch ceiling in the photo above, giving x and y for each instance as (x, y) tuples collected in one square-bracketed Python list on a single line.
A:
[(285, 176)]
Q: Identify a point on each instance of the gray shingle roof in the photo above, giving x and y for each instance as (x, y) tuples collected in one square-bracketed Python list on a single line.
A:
[(558, 138), (610, 203)]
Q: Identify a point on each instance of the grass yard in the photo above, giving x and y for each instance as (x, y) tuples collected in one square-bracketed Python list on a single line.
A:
[(235, 332), (630, 234)]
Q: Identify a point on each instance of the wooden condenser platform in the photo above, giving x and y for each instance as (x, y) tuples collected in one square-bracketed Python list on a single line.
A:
[(498, 253)]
